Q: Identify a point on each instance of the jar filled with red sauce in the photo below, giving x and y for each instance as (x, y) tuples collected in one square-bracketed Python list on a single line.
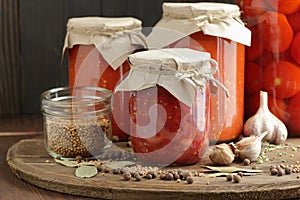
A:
[(97, 51), (273, 60), (169, 104), (215, 28)]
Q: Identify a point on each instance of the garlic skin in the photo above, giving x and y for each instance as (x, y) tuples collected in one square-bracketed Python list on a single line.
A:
[(221, 154), (263, 120), (249, 147)]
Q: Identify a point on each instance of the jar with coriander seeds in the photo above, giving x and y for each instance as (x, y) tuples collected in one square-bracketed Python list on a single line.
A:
[(77, 121)]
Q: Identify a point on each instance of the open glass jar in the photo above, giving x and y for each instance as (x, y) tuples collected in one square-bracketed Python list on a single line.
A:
[(97, 51), (215, 28), (77, 121), (169, 104), (273, 60)]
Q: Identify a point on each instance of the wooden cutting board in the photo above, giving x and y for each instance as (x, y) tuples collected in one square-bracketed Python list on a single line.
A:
[(29, 160)]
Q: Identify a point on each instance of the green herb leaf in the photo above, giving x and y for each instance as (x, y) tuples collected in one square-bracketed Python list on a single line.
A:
[(86, 171)]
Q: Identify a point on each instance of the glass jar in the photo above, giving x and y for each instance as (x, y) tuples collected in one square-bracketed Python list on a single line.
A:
[(169, 104), (273, 60), (97, 51), (77, 121), (215, 28)]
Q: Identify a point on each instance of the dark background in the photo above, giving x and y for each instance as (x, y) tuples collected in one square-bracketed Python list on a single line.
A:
[(31, 38)]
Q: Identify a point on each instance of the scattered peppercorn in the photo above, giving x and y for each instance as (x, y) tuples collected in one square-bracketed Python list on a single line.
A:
[(280, 172), (274, 171), (169, 176), (247, 161), (229, 177), (162, 176), (189, 180), (149, 176), (288, 170), (126, 176), (236, 178), (138, 178), (240, 174)]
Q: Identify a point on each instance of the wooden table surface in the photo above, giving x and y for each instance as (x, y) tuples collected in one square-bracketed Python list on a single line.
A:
[(12, 130)]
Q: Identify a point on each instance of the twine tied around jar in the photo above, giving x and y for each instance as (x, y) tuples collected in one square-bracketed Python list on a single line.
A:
[(194, 75), (218, 18)]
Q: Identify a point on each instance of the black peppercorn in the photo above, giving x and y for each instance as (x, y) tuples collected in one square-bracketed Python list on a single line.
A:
[(169, 176)]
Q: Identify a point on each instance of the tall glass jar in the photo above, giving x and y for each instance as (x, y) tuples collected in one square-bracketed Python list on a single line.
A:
[(77, 121), (169, 104), (215, 28), (97, 51), (273, 60)]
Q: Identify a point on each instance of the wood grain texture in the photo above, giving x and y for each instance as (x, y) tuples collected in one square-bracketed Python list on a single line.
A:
[(10, 92), (12, 187), (27, 160)]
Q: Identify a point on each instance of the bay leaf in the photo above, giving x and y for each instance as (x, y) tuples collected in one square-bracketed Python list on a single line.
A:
[(67, 163), (119, 164), (86, 171), (220, 174), (229, 169)]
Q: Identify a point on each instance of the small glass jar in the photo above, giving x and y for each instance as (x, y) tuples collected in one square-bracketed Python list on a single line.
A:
[(97, 51), (273, 60), (169, 104), (77, 121), (215, 28)]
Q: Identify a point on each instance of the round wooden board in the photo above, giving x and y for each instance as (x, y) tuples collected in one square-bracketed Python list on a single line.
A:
[(29, 160)]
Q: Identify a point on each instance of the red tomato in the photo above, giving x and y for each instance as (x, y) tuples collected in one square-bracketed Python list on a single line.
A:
[(277, 32), (285, 6), (281, 79), (293, 108), (295, 48), (294, 21), (253, 77)]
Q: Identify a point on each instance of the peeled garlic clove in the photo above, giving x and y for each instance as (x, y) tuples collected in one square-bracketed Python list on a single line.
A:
[(221, 154), (249, 147), (264, 120)]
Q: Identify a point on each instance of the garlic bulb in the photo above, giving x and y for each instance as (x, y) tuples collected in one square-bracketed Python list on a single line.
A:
[(221, 154), (249, 147), (264, 120)]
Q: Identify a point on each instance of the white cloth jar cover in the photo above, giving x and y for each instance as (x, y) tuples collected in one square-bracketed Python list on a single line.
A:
[(114, 38), (179, 70), (215, 19)]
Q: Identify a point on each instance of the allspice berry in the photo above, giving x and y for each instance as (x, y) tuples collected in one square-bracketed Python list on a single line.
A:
[(236, 178), (189, 180)]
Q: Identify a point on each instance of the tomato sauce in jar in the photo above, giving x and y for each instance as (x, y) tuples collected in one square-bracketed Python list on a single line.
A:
[(215, 28), (273, 60), (169, 104), (97, 51)]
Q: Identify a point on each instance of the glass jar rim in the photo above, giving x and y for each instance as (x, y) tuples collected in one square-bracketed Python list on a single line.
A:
[(61, 101)]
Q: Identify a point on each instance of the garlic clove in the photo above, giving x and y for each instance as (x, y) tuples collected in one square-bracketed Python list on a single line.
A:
[(221, 154), (263, 120), (249, 147)]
